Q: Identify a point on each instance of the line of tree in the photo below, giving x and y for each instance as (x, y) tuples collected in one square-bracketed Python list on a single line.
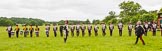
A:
[(4, 21), (71, 22)]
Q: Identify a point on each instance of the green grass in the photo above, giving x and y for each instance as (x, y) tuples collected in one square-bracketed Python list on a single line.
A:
[(99, 43)]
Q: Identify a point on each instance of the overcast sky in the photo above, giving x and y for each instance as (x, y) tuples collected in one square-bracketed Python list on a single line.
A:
[(55, 10)]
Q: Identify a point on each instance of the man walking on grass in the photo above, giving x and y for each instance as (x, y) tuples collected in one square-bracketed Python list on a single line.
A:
[(139, 31)]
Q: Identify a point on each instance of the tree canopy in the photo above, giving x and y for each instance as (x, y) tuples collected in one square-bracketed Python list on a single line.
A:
[(132, 12), (13, 21)]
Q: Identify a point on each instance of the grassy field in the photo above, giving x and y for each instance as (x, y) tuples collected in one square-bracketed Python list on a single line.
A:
[(99, 43)]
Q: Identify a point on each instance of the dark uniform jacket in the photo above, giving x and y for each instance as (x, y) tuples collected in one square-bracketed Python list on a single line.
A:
[(96, 28), (83, 28), (66, 29), (77, 28), (9, 29), (111, 27), (130, 27), (72, 28), (61, 28), (120, 26), (139, 30), (55, 28), (104, 27), (146, 26), (154, 26), (89, 27)]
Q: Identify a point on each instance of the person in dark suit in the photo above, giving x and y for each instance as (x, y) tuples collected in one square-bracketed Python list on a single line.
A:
[(31, 29), (17, 29), (96, 30), (55, 30), (72, 28), (89, 29), (61, 30), (149, 26), (66, 31), (104, 29), (77, 30), (120, 27), (25, 29), (47, 29), (9, 30), (130, 26), (83, 30), (146, 27), (111, 28), (139, 31), (154, 27)]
